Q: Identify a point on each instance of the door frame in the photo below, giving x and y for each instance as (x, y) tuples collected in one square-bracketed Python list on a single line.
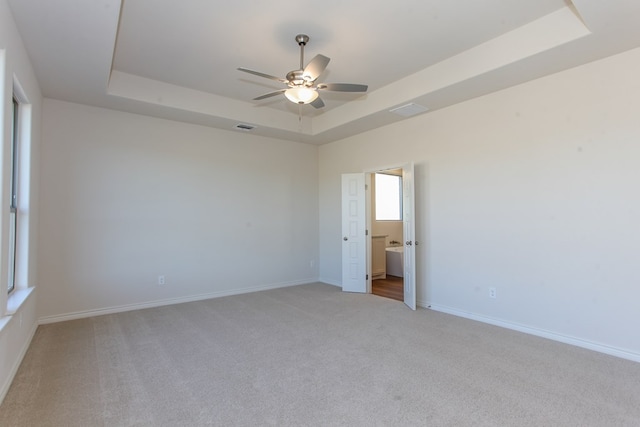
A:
[(368, 174)]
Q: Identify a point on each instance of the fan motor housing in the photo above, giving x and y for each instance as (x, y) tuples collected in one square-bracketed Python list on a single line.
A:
[(297, 78)]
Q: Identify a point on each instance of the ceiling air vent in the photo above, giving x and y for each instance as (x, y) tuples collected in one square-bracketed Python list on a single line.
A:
[(409, 110), (245, 127)]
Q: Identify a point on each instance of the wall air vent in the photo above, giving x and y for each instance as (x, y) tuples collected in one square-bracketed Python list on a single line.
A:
[(409, 110), (245, 127)]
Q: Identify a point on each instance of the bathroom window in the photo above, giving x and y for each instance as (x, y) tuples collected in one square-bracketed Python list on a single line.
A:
[(388, 193)]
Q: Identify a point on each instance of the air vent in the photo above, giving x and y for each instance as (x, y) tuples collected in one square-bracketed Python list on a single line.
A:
[(409, 110), (245, 127)]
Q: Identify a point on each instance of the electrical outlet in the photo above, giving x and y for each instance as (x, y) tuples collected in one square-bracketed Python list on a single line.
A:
[(160, 280), (492, 292)]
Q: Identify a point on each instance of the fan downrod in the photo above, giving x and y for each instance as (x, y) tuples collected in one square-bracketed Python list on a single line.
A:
[(302, 40)]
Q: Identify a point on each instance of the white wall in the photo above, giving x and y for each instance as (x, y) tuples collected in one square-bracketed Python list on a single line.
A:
[(126, 198), (391, 229), (17, 328), (533, 191)]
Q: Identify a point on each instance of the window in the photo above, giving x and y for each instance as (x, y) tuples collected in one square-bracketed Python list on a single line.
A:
[(388, 193), (13, 215)]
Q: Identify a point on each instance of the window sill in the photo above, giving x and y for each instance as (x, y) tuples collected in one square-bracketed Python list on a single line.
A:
[(14, 302), (16, 299)]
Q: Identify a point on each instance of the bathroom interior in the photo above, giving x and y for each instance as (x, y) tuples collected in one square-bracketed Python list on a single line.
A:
[(387, 258)]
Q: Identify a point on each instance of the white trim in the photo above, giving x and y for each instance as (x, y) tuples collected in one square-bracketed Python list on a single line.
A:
[(613, 351), (330, 282), (4, 321), (17, 298), (385, 168), (14, 302), (16, 364), (169, 301), (19, 92), (423, 303)]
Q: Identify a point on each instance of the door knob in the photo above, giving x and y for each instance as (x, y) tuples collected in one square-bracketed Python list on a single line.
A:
[(409, 242), (416, 243), (345, 238)]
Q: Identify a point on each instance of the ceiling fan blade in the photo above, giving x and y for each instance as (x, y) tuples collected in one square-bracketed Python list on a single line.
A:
[(266, 76), (317, 103), (269, 95), (343, 87), (316, 66)]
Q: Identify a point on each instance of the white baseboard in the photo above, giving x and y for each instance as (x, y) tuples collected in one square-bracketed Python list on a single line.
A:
[(423, 303), (613, 351), (169, 301), (330, 282), (16, 364)]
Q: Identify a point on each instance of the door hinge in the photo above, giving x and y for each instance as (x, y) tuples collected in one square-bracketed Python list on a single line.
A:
[(367, 277), (366, 232)]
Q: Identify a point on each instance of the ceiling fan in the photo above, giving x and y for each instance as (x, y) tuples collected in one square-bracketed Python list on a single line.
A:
[(302, 86)]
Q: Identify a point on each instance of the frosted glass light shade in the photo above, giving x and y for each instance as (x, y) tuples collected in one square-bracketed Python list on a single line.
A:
[(301, 95)]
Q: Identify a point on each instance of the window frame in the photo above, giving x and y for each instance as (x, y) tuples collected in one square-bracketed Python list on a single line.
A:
[(13, 205), (397, 202)]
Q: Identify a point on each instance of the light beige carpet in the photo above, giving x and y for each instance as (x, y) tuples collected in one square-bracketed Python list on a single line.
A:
[(311, 356)]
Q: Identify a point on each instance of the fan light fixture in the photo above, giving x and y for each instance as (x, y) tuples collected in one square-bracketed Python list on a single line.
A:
[(301, 95)]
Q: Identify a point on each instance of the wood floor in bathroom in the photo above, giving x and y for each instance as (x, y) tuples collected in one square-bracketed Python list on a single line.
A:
[(391, 287)]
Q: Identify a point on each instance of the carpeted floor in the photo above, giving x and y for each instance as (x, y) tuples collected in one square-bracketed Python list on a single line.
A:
[(311, 356)]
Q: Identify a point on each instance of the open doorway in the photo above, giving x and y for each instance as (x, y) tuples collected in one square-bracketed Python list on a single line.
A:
[(356, 234), (387, 235)]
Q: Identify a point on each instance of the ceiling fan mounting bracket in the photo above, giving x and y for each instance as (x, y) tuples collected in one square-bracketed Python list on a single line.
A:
[(302, 39)]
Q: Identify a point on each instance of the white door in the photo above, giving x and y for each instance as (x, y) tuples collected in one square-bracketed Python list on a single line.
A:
[(408, 219), (354, 241)]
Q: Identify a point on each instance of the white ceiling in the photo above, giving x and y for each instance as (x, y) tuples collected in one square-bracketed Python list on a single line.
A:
[(179, 59)]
